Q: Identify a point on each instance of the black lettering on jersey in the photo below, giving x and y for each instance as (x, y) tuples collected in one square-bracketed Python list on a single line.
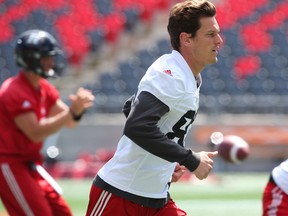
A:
[(181, 127)]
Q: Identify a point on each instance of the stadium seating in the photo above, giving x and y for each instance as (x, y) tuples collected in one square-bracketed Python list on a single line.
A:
[(252, 63)]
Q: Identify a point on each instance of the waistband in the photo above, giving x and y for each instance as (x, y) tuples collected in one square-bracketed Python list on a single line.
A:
[(145, 201)]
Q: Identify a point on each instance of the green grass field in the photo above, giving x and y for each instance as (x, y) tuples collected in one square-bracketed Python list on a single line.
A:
[(223, 195)]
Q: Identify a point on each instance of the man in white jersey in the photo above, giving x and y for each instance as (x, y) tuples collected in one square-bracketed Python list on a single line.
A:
[(275, 196), (152, 153)]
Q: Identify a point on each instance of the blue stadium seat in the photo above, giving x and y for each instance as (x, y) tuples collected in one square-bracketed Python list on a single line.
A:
[(132, 18), (104, 7)]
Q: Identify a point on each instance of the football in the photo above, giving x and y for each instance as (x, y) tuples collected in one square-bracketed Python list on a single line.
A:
[(233, 149)]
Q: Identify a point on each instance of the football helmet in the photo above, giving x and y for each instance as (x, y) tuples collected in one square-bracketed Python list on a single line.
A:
[(33, 45)]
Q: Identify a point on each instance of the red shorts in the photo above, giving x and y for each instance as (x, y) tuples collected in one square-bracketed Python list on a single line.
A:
[(24, 192), (275, 201), (103, 203)]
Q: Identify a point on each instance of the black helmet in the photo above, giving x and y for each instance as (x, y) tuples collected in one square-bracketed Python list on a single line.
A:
[(31, 46)]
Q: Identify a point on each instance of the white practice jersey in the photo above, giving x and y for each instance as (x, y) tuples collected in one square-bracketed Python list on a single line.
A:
[(135, 170), (280, 176)]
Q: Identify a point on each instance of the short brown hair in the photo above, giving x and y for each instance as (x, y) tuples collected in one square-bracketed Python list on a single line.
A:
[(185, 16)]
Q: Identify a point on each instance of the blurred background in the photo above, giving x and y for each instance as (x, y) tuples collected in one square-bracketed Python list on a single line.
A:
[(108, 45)]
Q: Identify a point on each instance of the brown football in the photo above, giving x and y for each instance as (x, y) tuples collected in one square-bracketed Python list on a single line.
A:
[(233, 149)]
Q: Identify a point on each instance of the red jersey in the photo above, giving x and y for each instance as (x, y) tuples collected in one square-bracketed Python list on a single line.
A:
[(18, 96)]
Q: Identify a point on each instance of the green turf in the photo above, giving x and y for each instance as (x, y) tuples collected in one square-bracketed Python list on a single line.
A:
[(229, 195)]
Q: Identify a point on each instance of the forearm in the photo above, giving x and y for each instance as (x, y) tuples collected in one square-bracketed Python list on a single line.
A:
[(59, 107), (164, 148), (51, 125), (59, 116)]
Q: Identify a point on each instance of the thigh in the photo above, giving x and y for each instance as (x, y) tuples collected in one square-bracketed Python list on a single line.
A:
[(170, 209), (20, 192), (104, 203), (274, 201)]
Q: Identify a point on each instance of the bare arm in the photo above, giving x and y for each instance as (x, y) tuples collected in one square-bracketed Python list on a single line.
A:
[(60, 116)]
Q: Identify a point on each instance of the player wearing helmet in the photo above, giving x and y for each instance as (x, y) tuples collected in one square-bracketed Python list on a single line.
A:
[(31, 47), (30, 111), (136, 180)]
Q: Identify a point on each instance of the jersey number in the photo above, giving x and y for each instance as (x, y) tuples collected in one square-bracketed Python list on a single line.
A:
[(181, 127)]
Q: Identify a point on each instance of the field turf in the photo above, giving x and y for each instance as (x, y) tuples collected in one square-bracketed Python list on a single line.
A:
[(224, 194)]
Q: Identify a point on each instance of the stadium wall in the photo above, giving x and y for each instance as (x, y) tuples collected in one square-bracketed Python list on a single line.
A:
[(266, 134)]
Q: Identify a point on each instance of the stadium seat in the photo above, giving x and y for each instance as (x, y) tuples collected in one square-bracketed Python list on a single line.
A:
[(132, 18), (104, 7), (114, 25), (121, 5)]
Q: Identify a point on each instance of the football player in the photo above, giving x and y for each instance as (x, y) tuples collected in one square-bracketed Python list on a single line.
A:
[(151, 153), (30, 111)]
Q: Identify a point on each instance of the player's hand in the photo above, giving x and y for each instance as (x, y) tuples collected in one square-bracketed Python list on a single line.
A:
[(178, 172), (82, 100), (206, 164)]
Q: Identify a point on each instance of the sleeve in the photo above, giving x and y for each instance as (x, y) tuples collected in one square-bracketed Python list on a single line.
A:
[(141, 127), (18, 102)]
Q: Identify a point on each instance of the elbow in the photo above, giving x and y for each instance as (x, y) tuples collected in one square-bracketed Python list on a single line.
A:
[(130, 130), (71, 124), (36, 139)]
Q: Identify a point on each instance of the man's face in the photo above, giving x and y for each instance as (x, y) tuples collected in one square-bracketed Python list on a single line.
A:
[(206, 43), (47, 63)]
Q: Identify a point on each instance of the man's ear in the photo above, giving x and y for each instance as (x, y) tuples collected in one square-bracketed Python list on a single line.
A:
[(185, 39)]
